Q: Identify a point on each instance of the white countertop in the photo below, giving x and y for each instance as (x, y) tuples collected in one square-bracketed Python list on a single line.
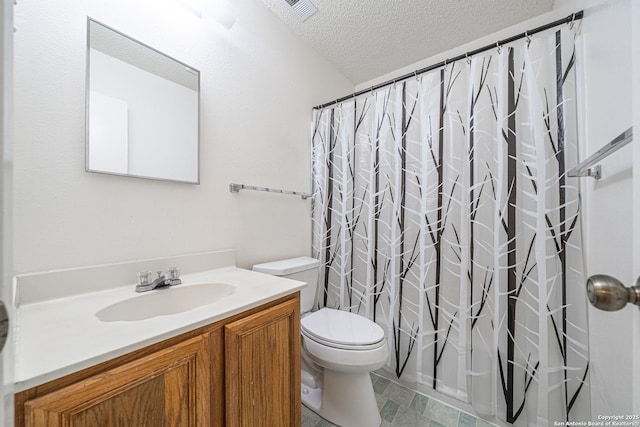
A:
[(62, 336)]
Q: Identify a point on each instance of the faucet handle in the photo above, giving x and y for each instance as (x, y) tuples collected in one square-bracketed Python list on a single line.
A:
[(174, 273), (144, 278)]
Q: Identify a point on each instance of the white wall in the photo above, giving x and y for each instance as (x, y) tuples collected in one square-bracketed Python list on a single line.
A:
[(258, 85)]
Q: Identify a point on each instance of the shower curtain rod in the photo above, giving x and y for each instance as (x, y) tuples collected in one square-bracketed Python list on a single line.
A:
[(569, 19)]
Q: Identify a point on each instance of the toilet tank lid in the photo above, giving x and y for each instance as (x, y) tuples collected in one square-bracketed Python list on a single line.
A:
[(287, 266)]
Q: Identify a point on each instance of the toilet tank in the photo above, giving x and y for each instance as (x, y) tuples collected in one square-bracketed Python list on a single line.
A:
[(304, 269)]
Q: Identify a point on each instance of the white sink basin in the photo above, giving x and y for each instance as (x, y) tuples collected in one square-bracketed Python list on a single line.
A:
[(165, 301)]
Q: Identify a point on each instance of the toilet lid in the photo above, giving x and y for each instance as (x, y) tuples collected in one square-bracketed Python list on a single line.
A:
[(341, 327)]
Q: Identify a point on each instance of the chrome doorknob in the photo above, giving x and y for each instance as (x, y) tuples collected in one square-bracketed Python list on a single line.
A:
[(609, 294)]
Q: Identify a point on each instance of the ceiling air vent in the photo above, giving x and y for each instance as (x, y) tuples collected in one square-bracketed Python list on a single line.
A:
[(303, 9)]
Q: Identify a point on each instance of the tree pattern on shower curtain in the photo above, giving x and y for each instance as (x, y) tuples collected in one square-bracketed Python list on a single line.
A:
[(442, 211)]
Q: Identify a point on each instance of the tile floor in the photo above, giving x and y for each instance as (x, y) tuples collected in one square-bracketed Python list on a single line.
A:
[(401, 407)]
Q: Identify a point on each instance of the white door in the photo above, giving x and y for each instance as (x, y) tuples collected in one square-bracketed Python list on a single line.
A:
[(6, 287), (611, 205), (635, 24)]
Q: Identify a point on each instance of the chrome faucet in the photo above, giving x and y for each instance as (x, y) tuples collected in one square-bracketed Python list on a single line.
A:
[(145, 283)]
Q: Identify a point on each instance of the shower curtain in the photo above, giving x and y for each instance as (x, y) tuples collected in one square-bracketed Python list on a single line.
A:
[(442, 211)]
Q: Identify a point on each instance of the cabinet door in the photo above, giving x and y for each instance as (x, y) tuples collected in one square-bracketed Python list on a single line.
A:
[(168, 388), (262, 357)]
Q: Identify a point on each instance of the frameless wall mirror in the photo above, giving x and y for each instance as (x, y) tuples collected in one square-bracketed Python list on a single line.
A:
[(142, 109)]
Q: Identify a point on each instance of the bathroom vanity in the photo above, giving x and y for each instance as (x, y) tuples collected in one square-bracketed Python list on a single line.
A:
[(232, 362)]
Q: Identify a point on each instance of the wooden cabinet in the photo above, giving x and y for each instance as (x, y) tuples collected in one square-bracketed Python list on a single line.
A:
[(162, 389), (242, 371), (262, 355)]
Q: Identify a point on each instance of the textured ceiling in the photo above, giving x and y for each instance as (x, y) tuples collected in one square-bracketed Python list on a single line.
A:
[(368, 38)]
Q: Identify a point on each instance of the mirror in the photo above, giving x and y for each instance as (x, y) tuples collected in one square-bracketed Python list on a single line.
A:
[(142, 117)]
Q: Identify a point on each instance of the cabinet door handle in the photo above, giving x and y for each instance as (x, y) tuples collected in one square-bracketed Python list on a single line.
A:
[(609, 294)]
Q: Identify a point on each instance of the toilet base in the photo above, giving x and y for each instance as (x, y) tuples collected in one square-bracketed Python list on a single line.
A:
[(344, 399), (312, 398)]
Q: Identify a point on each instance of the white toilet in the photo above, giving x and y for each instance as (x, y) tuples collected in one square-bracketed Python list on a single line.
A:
[(339, 350)]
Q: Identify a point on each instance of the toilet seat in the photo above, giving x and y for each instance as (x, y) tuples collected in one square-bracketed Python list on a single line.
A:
[(342, 330)]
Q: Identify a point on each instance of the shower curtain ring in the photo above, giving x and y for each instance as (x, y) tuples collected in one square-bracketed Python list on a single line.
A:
[(445, 65), (573, 19), (526, 34), (466, 55), (499, 47)]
